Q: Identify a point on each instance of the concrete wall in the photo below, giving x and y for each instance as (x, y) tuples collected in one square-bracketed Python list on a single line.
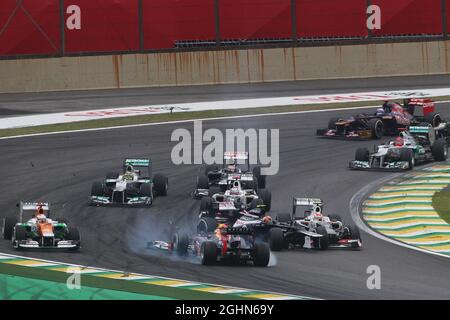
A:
[(231, 66)]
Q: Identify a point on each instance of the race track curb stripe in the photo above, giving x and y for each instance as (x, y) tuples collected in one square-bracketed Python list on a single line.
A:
[(402, 210), (225, 292)]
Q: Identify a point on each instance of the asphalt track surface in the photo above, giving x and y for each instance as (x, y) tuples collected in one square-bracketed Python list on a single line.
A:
[(48, 102), (61, 168)]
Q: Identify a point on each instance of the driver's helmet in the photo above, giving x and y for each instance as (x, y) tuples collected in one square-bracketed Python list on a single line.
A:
[(129, 168), (41, 218), (399, 141), (380, 111), (387, 106), (231, 168), (39, 211), (267, 219), (220, 230)]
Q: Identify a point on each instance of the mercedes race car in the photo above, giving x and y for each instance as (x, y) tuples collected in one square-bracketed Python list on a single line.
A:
[(40, 231), (388, 120), (134, 187), (419, 144), (313, 230), (236, 166), (224, 244)]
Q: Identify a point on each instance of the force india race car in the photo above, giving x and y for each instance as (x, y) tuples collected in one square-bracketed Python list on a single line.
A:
[(314, 230), (39, 232), (388, 120), (134, 187), (236, 166), (418, 145), (222, 245)]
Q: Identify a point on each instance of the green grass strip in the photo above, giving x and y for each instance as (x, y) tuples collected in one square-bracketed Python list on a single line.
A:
[(441, 203)]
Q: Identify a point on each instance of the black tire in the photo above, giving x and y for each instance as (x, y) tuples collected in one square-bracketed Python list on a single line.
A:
[(112, 175), (259, 178), (261, 255), (335, 217), (206, 225), (202, 182), (98, 189), (332, 123), (362, 154), (354, 232), (408, 155), (61, 220), (283, 217), (20, 233), (211, 168), (433, 118), (276, 239), (214, 190), (8, 227), (439, 150), (323, 242), (208, 253), (266, 196), (145, 190), (74, 234), (160, 184), (256, 203), (205, 204), (376, 127), (181, 243)]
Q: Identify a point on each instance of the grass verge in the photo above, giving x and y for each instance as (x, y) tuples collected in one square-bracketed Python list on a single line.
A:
[(180, 116), (441, 203)]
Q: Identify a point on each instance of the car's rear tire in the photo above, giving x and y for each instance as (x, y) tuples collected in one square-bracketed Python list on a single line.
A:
[(376, 127), (261, 256), (8, 227), (266, 196), (112, 175), (407, 155), (208, 253), (61, 220), (181, 243), (202, 182), (261, 179), (323, 242), (439, 150), (98, 189), (433, 118), (206, 225), (256, 203), (362, 154), (205, 204), (283, 217), (160, 184), (335, 217), (276, 239), (211, 168)]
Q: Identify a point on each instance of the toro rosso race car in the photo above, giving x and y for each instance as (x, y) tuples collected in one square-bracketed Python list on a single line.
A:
[(134, 187), (224, 244), (388, 120), (418, 145), (236, 166), (313, 230), (39, 232)]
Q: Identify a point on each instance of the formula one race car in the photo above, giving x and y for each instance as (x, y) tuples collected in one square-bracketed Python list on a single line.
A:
[(235, 198), (39, 232), (418, 145), (236, 166), (313, 229), (224, 244), (388, 120), (132, 188)]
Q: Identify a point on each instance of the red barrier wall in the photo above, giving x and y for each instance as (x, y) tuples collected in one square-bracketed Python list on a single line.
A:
[(402, 17), (168, 20), (252, 19), (32, 28), (106, 25), (331, 18)]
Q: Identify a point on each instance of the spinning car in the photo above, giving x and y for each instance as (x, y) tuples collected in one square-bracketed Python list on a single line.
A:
[(388, 120), (224, 244), (215, 180), (39, 232), (313, 230), (418, 145), (132, 188)]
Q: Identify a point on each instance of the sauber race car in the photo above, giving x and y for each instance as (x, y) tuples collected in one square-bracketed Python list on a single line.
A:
[(221, 245), (236, 166), (313, 229), (418, 145), (388, 120), (134, 187), (39, 232)]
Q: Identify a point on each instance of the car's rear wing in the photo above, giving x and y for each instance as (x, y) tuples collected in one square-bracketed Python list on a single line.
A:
[(420, 130), (138, 163), (427, 105), (298, 202), (27, 205), (232, 155)]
